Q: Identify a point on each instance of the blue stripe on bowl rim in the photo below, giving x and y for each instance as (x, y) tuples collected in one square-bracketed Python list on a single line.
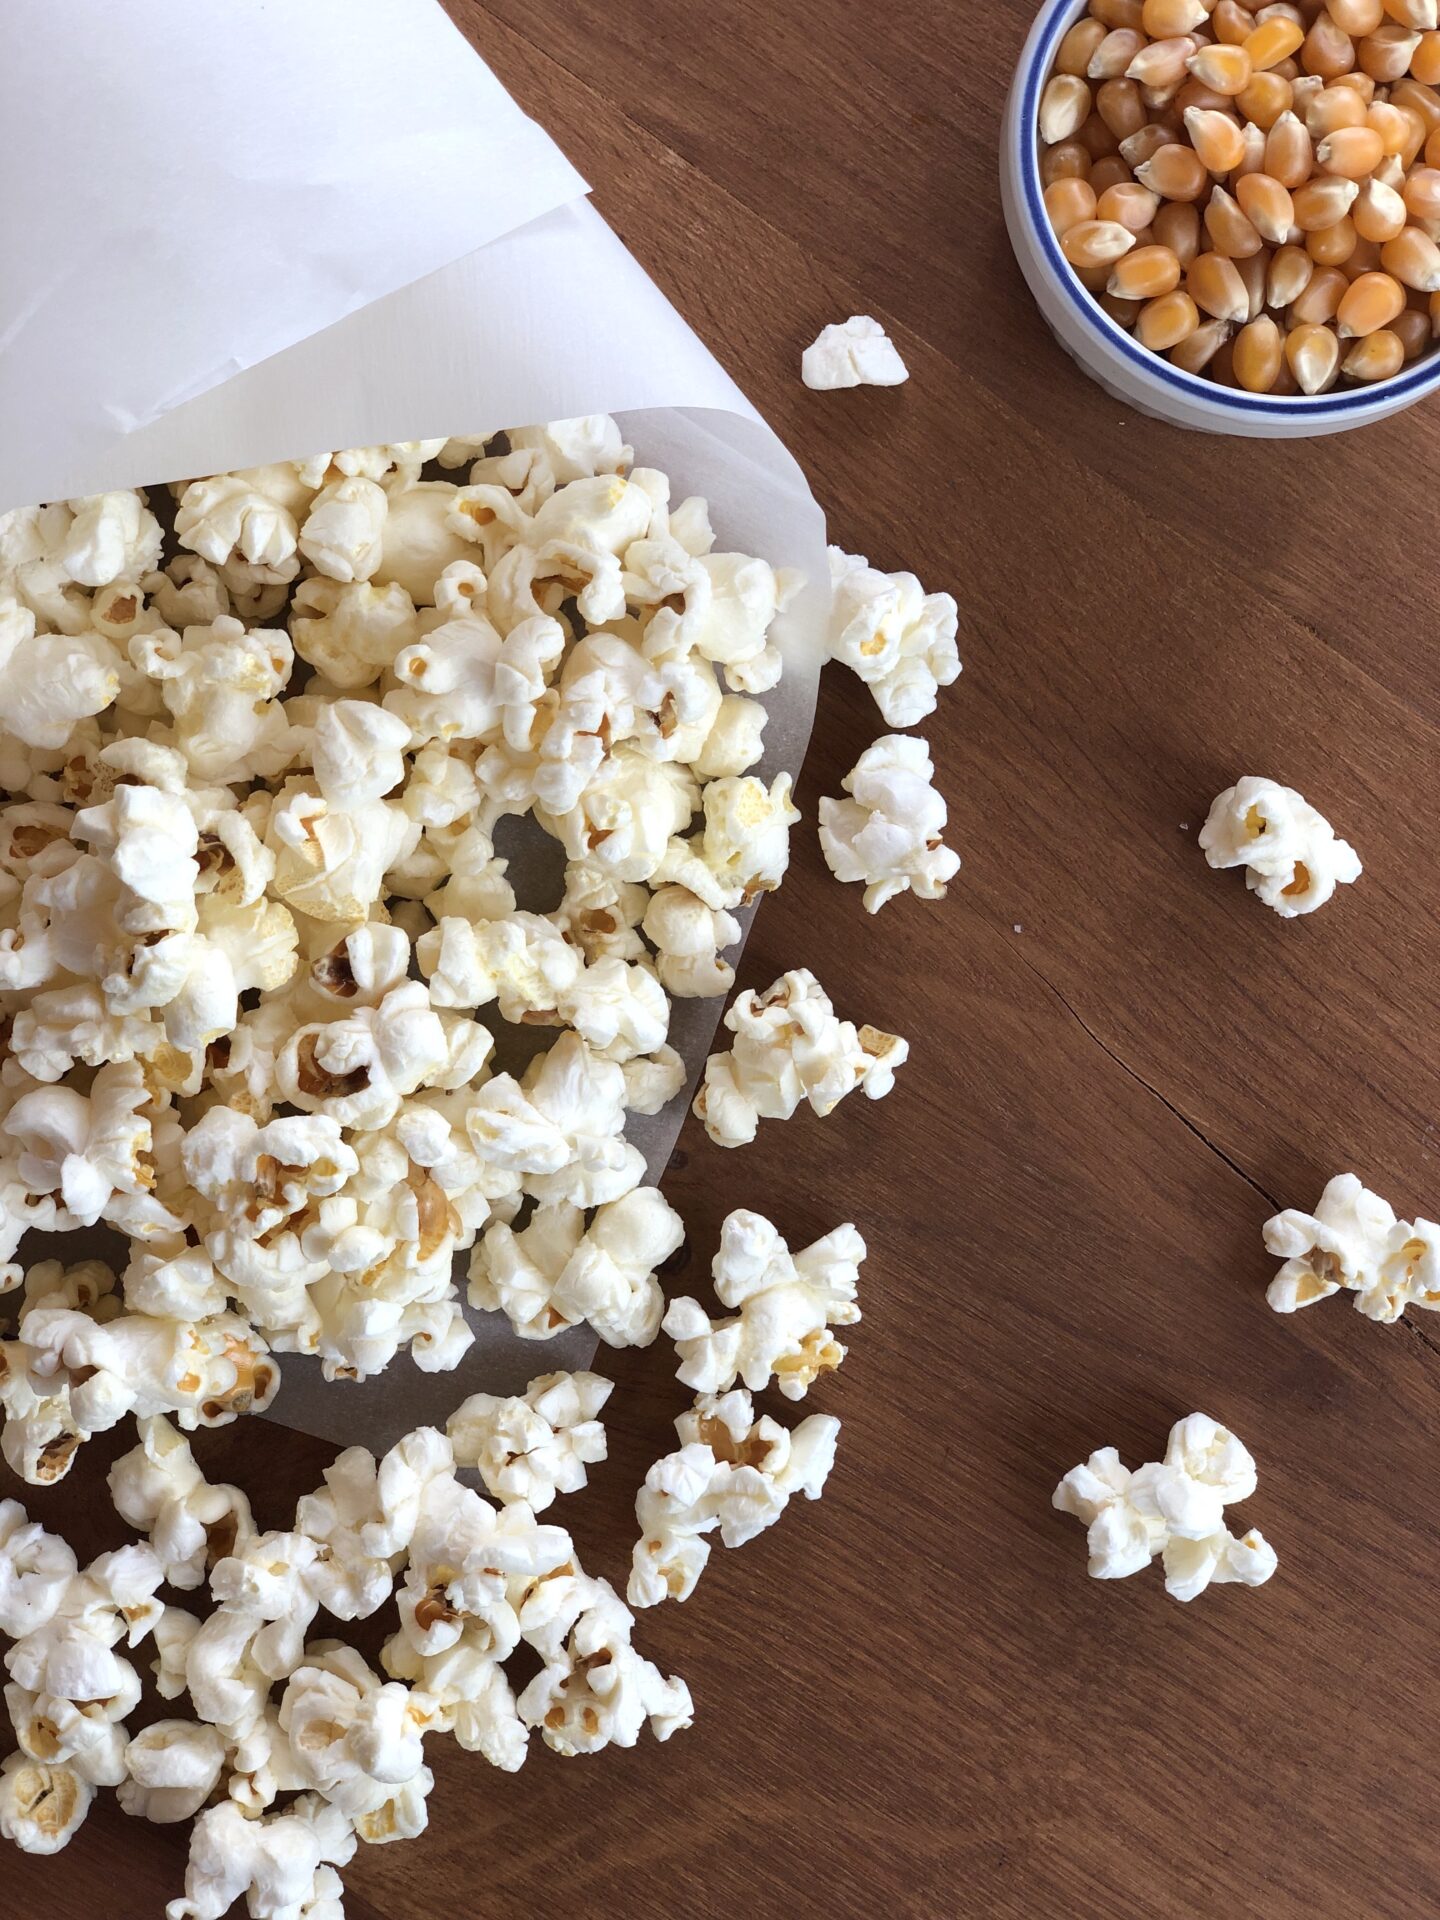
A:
[(1063, 14)]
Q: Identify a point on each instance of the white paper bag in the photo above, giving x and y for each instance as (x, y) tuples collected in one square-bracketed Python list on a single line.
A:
[(238, 231)]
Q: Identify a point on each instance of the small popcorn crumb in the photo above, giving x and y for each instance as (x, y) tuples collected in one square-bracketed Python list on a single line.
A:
[(858, 354), (1017, 928)]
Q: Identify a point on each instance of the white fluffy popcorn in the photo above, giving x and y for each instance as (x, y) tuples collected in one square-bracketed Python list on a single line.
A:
[(786, 1305), (896, 637), (281, 1865), (171, 1769), (733, 1472), (1173, 1508), (889, 833), (42, 1805), (595, 1690), (535, 1445), (1354, 1241), (790, 1046), (159, 1489), (1290, 853), (854, 353)]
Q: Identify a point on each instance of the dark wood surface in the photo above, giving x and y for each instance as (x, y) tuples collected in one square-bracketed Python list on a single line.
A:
[(911, 1701)]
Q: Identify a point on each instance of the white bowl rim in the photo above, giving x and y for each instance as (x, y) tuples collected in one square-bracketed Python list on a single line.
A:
[(1054, 20)]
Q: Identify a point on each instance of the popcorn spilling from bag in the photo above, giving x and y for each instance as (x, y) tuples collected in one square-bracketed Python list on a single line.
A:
[(1173, 1509)]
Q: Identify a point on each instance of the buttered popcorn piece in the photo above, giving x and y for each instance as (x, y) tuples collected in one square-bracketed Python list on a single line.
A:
[(1291, 855), (889, 833), (786, 1306), (534, 1446), (896, 637), (733, 1472), (1354, 1241), (855, 353), (790, 1046), (1173, 1509)]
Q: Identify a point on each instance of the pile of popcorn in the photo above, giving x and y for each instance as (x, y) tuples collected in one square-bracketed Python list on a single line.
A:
[(255, 942)]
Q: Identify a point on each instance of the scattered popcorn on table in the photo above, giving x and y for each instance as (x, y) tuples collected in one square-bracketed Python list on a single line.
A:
[(1173, 1508), (733, 1472), (534, 1446), (790, 1046), (896, 637), (1291, 856), (1353, 1240), (855, 353), (888, 834), (787, 1304)]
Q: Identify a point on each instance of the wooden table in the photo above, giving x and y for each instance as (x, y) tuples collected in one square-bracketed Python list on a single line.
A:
[(911, 1701)]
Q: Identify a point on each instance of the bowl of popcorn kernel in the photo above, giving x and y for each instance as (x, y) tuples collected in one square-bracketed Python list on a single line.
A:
[(1231, 219)]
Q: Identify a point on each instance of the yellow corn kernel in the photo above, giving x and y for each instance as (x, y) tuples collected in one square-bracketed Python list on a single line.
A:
[(1192, 94), (1332, 246), (1258, 354), (1364, 257), (1096, 138), (1068, 202), (1165, 322), (1369, 303), (1095, 243), (1214, 284), (1265, 97), (1198, 349), (1273, 41), (1414, 260), (1361, 82), (1350, 153), (1416, 133), (1289, 152), (1177, 226), (1378, 356), (1231, 233), (1078, 46), (1313, 355), (1391, 123), (1253, 159), (1114, 54), (1419, 15), (1145, 144), (1328, 109), (1385, 54), (1267, 206), (1064, 108), (1162, 62), (1328, 50), (1123, 312), (1131, 204), (1287, 276), (1322, 201), (1167, 19), (1252, 271), (1145, 274), (1119, 105), (1412, 330), (1217, 138), (1356, 17), (1223, 69), (1175, 173), (1110, 172), (1068, 161), (1423, 100), (1421, 193), (1425, 61), (1232, 24), (1118, 13), (1321, 298)]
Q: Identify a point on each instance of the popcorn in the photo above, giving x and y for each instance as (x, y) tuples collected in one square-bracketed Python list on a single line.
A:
[(359, 1069), (595, 1690), (281, 1864), (790, 1047), (575, 449), (352, 631), (159, 1489), (113, 536), (344, 531), (857, 353), (535, 1446), (418, 542), (1354, 1240), (896, 637), (358, 1741), (42, 1807), (469, 1695), (171, 1770), (560, 1128), (787, 1305), (52, 681), (1291, 856), (220, 683), (1173, 1509), (688, 937), (357, 751), (331, 861), (746, 843), (226, 515), (733, 1472), (889, 833), (555, 1272)]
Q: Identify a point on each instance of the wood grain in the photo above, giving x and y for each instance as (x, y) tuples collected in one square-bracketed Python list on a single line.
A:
[(911, 1700)]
